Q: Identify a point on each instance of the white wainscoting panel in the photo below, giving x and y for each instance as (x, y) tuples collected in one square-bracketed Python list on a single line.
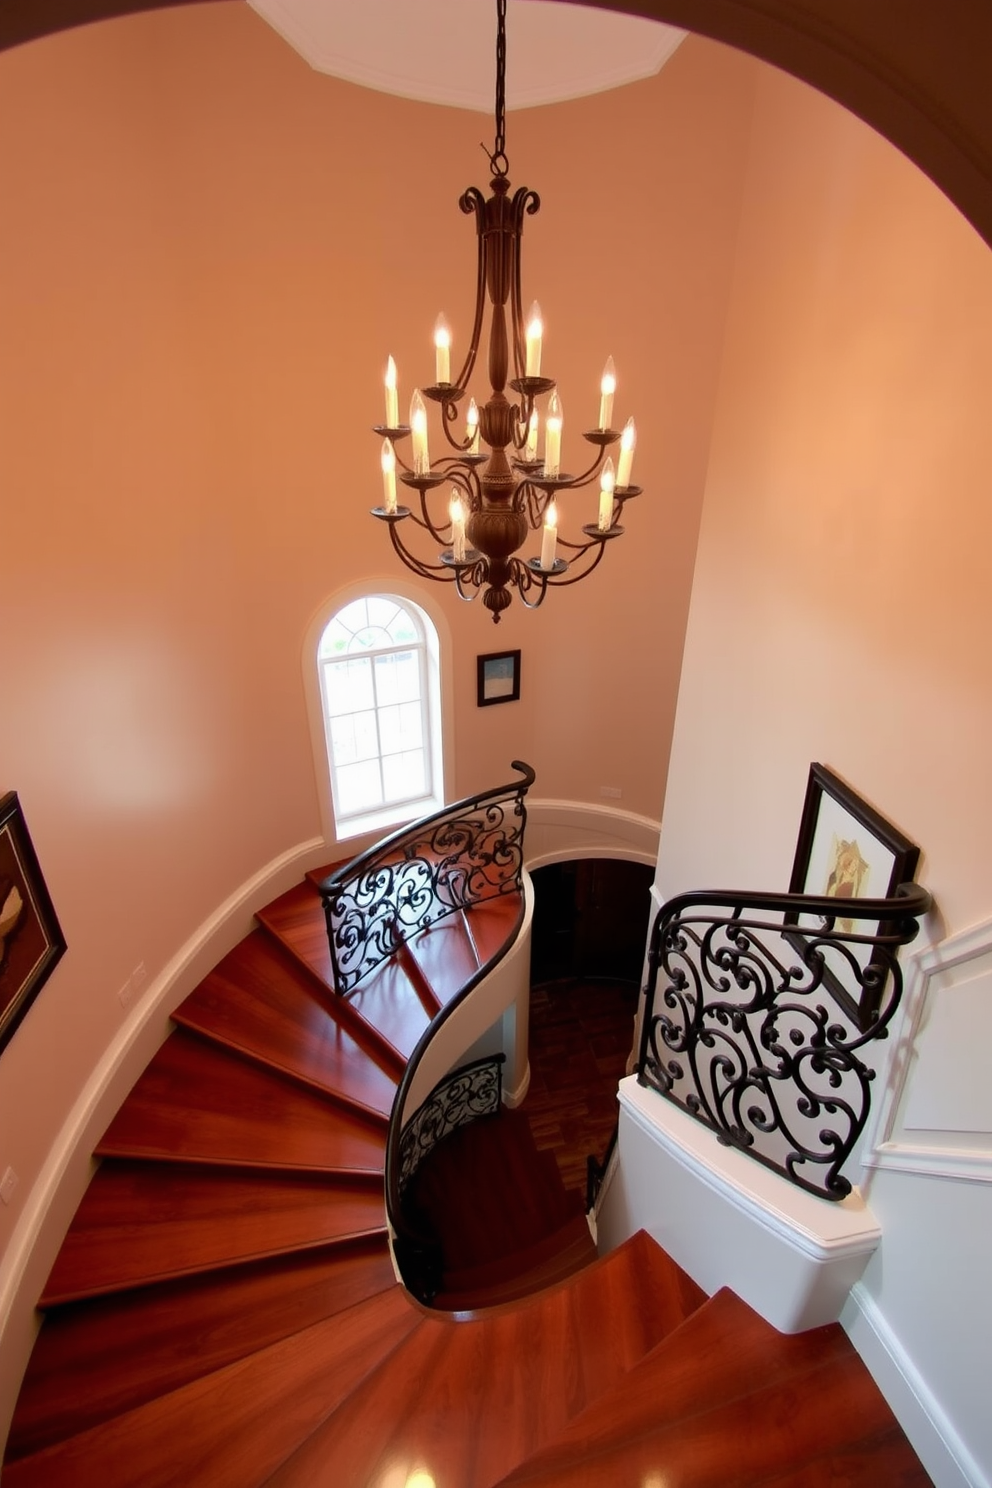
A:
[(936, 1111)]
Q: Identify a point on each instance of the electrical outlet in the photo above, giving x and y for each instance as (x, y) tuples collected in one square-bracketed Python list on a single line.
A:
[(613, 791), (7, 1185)]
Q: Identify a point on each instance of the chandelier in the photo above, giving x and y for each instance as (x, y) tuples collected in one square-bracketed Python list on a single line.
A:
[(480, 508)]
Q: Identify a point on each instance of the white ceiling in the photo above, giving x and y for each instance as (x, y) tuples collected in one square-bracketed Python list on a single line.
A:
[(444, 51)]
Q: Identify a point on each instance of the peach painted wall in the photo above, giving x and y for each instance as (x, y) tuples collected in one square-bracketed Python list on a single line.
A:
[(842, 608), (206, 253)]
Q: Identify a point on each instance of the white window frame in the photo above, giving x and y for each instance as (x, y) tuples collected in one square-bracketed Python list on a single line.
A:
[(435, 658)]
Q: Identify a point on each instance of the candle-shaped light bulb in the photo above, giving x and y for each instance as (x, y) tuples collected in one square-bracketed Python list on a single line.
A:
[(442, 350), (392, 402), (628, 443), (530, 448), (607, 481), (535, 334), (389, 476), (552, 436), (472, 427), (549, 538), (418, 426), (607, 387), (456, 512)]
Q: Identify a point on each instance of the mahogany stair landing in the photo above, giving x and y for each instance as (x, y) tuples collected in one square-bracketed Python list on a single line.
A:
[(223, 1310)]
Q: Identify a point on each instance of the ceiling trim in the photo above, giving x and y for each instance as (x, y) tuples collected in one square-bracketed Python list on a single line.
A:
[(914, 71)]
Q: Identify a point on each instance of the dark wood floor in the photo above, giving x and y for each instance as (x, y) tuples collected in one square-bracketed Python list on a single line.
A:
[(580, 1039)]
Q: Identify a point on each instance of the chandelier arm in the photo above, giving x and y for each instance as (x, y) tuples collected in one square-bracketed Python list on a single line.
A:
[(468, 481), (589, 475), (561, 583), (473, 200), (530, 501), (525, 579), (437, 572), (521, 418), (476, 575), (528, 201)]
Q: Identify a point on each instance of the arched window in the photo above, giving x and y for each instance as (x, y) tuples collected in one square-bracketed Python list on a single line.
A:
[(380, 692)]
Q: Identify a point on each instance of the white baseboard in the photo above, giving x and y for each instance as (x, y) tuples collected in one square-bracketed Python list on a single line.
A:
[(514, 1098), (56, 1192), (934, 1438)]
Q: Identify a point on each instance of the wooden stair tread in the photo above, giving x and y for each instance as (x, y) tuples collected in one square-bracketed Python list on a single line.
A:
[(315, 876), (384, 1005), (144, 1222), (446, 956), (724, 1356), (254, 1003), (492, 923), (388, 1000), (296, 919), (199, 1101), (232, 1428), (543, 1264), (99, 1358), (471, 1398), (486, 1192), (766, 1431)]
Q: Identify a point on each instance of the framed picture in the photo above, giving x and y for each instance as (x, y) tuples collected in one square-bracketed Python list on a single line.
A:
[(31, 941), (499, 678), (846, 850)]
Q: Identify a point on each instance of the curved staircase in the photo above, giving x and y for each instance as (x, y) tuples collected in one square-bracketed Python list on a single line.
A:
[(224, 1311)]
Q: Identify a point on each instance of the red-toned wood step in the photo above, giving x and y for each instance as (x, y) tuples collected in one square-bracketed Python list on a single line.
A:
[(486, 1192), (199, 1101), (383, 1006), (446, 956), (255, 1003), (819, 1422), (232, 1428), (140, 1223), (389, 1002), (545, 1263), (706, 1405), (315, 876), (296, 919), (492, 924), (466, 1400), (99, 1358)]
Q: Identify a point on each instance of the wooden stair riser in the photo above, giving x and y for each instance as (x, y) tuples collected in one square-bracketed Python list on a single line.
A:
[(193, 1220)]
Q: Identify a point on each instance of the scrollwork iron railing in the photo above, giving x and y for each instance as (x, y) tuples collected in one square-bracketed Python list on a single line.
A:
[(461, 855), (741, 1028), (466, 1095)]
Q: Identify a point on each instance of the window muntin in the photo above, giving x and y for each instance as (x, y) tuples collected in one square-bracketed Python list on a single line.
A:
[(376, 690)]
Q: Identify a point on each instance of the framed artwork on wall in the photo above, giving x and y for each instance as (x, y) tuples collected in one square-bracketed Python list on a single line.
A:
[(846, 850), (31, 940), (499, 678)]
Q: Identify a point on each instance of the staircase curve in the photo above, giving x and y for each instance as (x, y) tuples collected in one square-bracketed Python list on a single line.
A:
[(224, 1309)]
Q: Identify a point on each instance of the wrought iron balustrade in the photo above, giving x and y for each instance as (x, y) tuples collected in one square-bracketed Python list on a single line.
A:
[(745, 1028), (467, 853), (461, 855)]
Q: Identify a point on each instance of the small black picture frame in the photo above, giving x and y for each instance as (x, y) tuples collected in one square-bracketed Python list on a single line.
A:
[(499, 678), (846, 849), (31, 939)]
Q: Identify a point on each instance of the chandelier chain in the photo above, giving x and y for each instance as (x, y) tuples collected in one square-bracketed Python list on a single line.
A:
[(497, 160)]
